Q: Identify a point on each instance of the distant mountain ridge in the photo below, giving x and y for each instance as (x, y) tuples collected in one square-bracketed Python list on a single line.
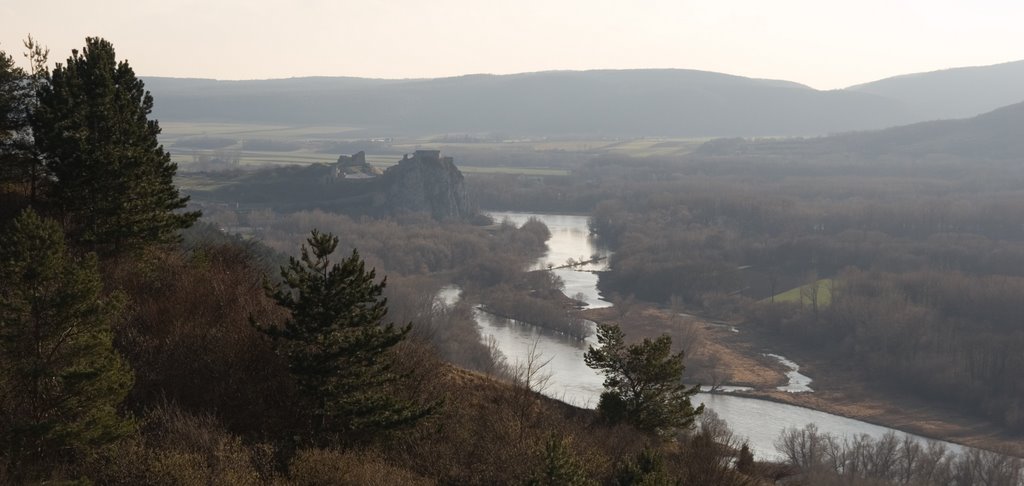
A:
[(996, 135), (643, 102), (953, 93)]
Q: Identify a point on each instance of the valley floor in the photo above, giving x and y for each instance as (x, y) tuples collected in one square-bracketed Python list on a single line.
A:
[(718, 355)]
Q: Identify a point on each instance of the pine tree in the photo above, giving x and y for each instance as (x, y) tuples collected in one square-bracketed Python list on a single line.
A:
[(60, 379), (643, 382), (12, 122), (648, 469), (11, 81), (113, 181), (745, 460), (337, 345), (560, 467), (21, 172)]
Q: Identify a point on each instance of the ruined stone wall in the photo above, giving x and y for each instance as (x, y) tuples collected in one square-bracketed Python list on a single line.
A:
[(427, 182)]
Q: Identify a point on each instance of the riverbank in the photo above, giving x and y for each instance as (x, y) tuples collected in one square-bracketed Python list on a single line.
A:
[(713, 356), (716, 355), (843, 391)]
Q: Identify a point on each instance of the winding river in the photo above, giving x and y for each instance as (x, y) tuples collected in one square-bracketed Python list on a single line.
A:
[(758, 421)]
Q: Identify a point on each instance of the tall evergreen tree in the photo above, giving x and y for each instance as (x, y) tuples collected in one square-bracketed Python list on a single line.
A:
[(12, 80), (21, 171), (60, 378), (338, 346), (113, 181), (643, 382)]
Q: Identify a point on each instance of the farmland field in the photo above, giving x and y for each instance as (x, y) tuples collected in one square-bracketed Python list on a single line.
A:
[(219, 146), (802, 294), (173, 131)]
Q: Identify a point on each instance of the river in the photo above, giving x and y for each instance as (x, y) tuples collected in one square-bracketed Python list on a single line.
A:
[(758, 421), (570, 238)]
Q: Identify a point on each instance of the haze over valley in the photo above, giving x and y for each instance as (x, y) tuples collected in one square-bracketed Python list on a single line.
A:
[(624, 103), (623, 269)]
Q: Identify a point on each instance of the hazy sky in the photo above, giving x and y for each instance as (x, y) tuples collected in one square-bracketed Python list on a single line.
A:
[(822, 43)]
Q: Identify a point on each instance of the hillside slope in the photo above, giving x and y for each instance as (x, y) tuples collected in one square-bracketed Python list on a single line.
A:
[(953, 93), (681, 103), (996, 135)]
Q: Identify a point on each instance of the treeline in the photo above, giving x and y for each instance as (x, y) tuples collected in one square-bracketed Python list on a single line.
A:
[(825, 459), (413, 244), (947, 336)]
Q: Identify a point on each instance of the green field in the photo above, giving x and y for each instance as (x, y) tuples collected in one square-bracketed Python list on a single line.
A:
[(800, 294), (309, 144)]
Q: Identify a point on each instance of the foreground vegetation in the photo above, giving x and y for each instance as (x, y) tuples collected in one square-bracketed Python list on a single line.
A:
[(826, 460)]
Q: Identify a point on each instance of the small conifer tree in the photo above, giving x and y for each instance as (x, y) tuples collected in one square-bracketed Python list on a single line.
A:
[(337, 345), (559, 466)]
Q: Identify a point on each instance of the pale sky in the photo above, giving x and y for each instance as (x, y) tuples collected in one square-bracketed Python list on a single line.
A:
[(822, 43)]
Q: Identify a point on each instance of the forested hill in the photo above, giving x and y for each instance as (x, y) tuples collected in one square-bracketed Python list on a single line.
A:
[(604, 103), (953, 93), (997, 135), (651, 102)]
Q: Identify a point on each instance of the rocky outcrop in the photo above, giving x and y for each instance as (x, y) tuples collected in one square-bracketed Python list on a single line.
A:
[(427, 182), (357, 159)]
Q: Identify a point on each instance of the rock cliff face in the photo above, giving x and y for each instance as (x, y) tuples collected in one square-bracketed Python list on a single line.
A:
[(427, 182)]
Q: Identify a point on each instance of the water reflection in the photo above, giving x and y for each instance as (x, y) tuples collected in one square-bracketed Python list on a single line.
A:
[(571, 381), (798, 383), (570, 238)]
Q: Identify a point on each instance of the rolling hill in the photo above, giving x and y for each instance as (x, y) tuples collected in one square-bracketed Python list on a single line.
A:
[(953, 93), (595, 103), (996, 135), (623, 103)]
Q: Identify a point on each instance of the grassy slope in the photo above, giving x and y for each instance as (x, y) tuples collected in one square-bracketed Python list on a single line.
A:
[(800, 294)]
